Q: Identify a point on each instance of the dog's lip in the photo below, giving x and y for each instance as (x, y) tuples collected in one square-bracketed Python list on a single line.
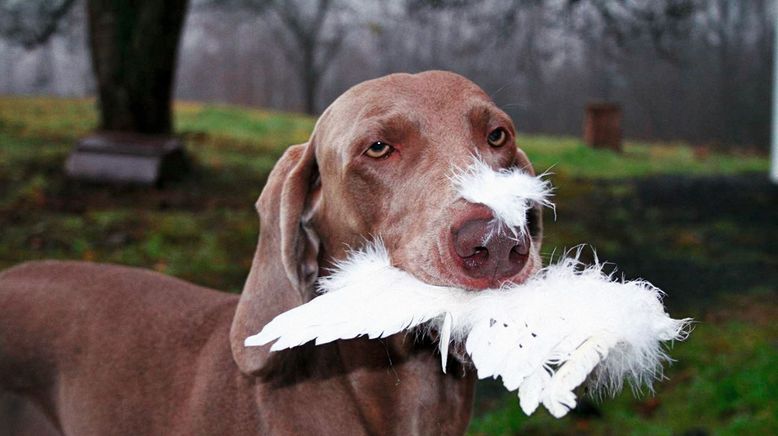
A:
[(449, 276), (445, 277), (482, 284)]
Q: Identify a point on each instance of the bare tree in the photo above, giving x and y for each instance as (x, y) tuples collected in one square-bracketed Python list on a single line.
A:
[(310, 49), (32, 23), (663, 22), (730, 27), (311, 36)]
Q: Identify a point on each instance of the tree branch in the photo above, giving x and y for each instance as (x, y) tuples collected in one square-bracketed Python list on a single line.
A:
[(31, 23)]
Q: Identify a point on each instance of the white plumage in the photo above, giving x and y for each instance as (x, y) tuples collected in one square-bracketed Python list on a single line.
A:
[(509, 193), (543, 337)]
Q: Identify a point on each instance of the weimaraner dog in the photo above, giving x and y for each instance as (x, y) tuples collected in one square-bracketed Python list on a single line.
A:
[(93, 349)]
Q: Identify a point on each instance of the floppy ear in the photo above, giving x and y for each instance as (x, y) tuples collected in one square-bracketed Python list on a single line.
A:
[(535, 218), (285, 263)]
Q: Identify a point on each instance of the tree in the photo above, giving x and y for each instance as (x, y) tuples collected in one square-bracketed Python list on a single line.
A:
[(311, 37), (310, 50), (32, 23), (620, 22), (731, 35), (133, 45)]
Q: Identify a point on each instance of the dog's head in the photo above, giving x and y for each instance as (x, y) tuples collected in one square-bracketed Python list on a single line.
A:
[(382, 162)]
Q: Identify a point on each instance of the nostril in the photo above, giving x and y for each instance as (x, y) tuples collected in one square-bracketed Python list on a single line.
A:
[(476, 260), (473, 251), (517, 255), (465, 251), (522, 249), (468, 239)]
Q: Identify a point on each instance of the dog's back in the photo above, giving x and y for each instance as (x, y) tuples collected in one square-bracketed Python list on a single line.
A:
[(92, 349), (67, 321)]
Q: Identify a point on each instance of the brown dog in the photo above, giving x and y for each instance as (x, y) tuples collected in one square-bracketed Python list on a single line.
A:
[(102, 349)]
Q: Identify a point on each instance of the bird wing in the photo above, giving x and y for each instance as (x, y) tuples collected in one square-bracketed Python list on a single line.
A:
[(367, 297), (542, 338)]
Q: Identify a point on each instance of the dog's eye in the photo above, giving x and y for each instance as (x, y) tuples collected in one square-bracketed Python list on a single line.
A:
[(379, 150), (498, 137)]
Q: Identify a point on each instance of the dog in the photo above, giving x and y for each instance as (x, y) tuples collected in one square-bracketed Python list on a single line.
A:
[(95, 349)]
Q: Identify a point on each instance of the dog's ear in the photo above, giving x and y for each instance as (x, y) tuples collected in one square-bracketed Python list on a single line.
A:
[(285, 264), (535, 215), (299, 197)]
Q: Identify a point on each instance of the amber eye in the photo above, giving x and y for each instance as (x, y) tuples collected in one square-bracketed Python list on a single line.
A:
[(498, 137), (379, 150)]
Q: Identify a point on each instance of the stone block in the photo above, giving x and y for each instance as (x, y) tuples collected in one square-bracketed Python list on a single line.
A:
[(127, 158)]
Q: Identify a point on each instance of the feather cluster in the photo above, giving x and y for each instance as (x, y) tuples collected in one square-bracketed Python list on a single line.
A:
[(508, 192), (545, 337)]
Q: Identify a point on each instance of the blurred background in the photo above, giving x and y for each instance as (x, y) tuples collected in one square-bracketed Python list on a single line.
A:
[(141, 132)]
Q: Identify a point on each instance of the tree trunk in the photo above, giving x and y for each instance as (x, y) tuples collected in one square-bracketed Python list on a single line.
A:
[(134, 45), (311, 85), (310, 76)]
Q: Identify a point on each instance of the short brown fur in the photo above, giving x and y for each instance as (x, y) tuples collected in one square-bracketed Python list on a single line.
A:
[(95, 349)]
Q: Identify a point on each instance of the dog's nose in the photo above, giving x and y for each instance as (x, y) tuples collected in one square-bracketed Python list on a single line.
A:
[(487, 252)]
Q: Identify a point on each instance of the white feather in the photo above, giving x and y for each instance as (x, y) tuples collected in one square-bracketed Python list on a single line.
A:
[(352, 311), (532, 388), (544, 337), (509, 193)]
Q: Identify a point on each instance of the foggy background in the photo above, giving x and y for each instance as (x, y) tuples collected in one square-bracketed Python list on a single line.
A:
[(697, 71)]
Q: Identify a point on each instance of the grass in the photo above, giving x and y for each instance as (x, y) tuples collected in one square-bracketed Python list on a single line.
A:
[(202, 229), (710, 240), (224, 134), (569, 157)]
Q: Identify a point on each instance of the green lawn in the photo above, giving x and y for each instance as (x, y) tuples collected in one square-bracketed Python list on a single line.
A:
[(223, 135), (568, 156), (697, 223)]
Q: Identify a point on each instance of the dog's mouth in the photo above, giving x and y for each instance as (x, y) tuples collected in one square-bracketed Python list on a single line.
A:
[(376, 266), (489, 281), (478, 252), (447, 269)]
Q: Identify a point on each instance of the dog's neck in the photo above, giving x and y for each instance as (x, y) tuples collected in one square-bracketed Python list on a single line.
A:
[(394, 383), (400, 379)]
